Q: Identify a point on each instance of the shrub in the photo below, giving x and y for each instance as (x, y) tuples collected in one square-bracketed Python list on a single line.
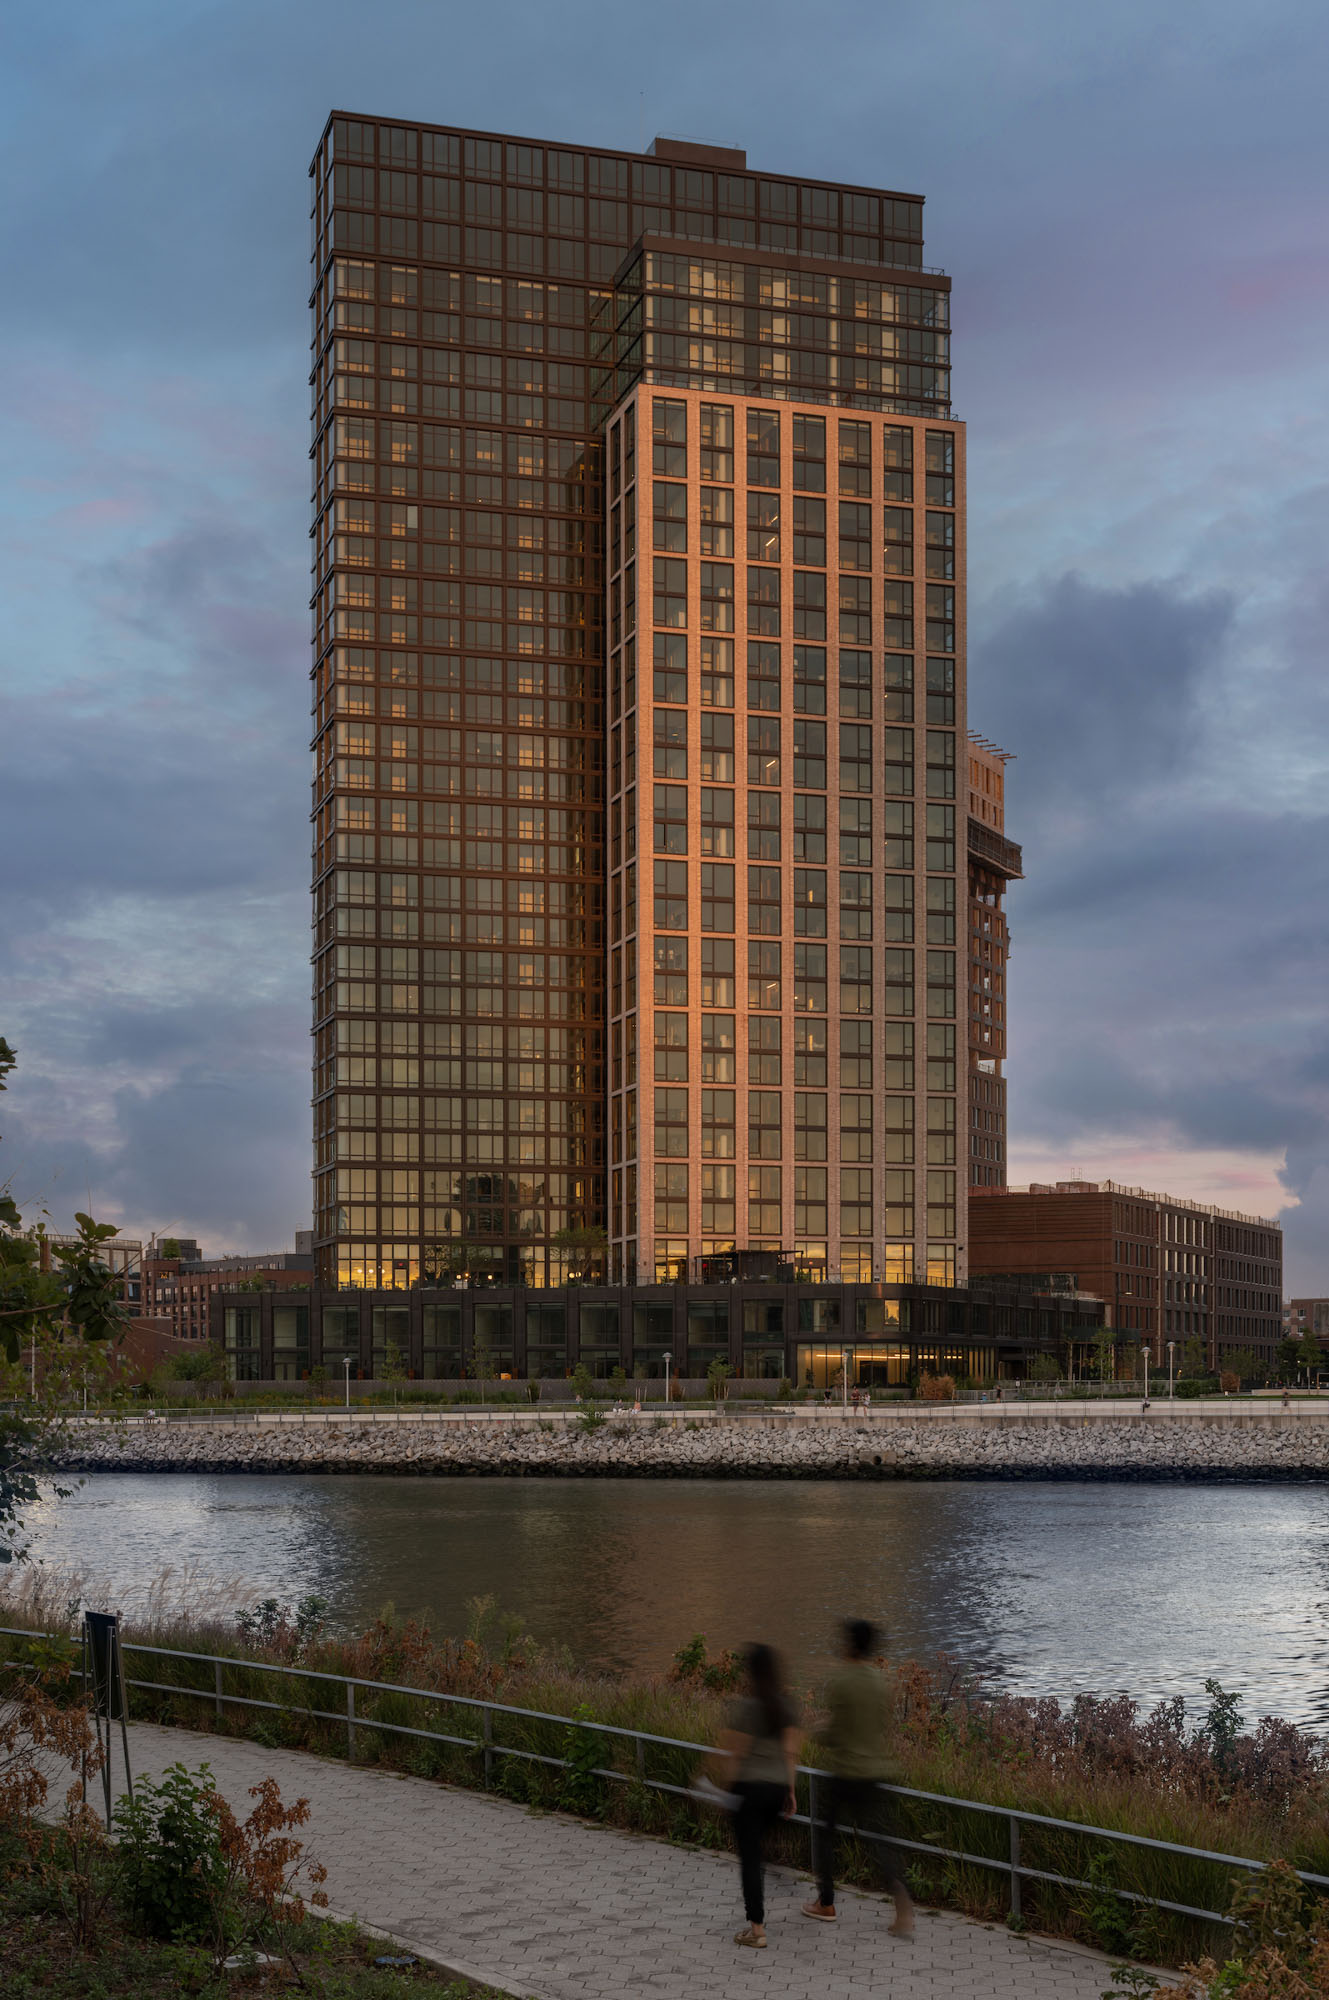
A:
[(170, 1845), (937, 1388)]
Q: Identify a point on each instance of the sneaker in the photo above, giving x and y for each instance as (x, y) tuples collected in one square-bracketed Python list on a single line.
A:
[(750, 1935), (822, 1913)]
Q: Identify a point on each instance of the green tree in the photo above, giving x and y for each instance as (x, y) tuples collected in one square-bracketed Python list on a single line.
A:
[(1193, 1359), (62, 1303), (394, 1367), (1045, 1368), (1105, 1354), (582, 1382), (1290, 1357), (717, 1376)]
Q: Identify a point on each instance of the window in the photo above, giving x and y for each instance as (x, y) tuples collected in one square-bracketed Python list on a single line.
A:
[(717, 896), (809, 829), (898, 1132), (809, 1125), (899, 981), (763, 675), (763, 750), (897, 613), (855, 535), (810, 454), (764, 601), (669, 433), (856, 1197), (810, 680), (941, 764), (764, 901), (856, 1055), (671, 592), (856, 462), (941, 985), (717, 521), (671, 972), (856, 977), (764, 1050), (809, 979), (671, 895), (717, 596), (763, 826), (941, 690), (898, 768), (671, 1048), (809, 604), (898, 540), (763, 448), (898, 683), (941, 1132), (940, 456), (898, 827), (898, 1048), (855, 757), (717, 971), (939, 535), (717, 749), (764, 1197), (671, 1123), (717, 1124), (941, 617), (810, 1202), (671, 517), (764, 527), (671, 667), (671, 1200), (717, 441), (898, 909), (810, 755), (856, 908), (764, 984), (941, 839), (810, 532), (671, 819), (856, 833), (717, 673), (670, 747), (898, 460), (717, 1201), (810, 902)]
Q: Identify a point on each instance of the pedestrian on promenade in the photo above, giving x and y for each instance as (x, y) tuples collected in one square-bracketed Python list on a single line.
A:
[(855, 1749), (760, 1752)]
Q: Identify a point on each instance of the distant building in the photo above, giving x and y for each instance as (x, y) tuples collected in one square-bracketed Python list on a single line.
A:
[(121, 1254), (1168, 1269), (993, 862), (178, 1289), (1303, 1317)]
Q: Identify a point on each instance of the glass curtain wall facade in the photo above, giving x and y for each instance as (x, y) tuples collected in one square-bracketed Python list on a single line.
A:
[(469, 340)]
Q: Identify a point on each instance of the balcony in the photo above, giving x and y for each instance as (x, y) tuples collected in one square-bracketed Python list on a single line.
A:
[(994, 851)]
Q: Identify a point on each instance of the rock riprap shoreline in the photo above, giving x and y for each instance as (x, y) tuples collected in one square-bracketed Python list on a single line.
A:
[(1064, 1445)]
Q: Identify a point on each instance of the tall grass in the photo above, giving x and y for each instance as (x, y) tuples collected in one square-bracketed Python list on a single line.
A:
[(1260, 1793)]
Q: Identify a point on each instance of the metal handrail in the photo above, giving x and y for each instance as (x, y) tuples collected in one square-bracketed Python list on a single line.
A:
[(1016, 1817)]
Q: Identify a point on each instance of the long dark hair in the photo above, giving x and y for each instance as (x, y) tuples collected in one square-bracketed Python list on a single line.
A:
[(767, 1684)]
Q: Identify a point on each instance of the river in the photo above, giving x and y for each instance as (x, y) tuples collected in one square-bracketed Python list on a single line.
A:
[(1048, 1588)]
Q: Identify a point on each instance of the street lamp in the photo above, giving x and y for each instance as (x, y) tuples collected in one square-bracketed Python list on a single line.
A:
[(346, 1364), (1171, 1352), (844, 1377), (667, 1358), (1145, 1356)]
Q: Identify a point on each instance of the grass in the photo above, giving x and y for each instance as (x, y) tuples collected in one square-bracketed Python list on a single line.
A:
[(1260, 1793)]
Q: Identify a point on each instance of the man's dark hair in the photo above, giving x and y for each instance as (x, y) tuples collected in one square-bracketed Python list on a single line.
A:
[(860, 1638)]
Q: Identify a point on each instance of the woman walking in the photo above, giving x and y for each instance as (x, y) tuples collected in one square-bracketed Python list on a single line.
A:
[(760, 1749)]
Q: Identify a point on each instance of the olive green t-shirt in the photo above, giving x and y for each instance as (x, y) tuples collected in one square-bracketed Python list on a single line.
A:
[(856, 1739)]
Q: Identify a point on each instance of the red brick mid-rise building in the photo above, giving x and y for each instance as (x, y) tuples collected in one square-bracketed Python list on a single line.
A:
[(178, 1290), (1168, 1269)]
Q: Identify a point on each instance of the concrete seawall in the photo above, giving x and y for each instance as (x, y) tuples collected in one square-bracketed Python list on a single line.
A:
[(1010, 1442)]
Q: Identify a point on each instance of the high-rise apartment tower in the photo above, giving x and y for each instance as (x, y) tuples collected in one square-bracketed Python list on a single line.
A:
[(642, 799)]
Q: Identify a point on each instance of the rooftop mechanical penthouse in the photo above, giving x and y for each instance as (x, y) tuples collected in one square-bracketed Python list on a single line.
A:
[(657, 882)]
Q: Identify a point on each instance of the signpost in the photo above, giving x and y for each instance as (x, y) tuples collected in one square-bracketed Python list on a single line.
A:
[(104, 1681)]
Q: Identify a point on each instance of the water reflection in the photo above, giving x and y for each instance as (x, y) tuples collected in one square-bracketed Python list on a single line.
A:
[(1048, 1588)]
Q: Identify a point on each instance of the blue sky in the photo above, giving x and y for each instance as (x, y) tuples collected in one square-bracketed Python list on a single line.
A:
[(1133, 209)]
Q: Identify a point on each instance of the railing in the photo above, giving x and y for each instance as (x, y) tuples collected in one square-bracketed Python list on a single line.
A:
[(986, 844), (486, 1748)]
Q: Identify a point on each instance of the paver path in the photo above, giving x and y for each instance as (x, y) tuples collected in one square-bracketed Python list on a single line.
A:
[(543, 1905)]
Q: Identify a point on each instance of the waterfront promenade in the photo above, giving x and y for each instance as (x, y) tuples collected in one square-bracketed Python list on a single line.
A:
[(540, 1905)]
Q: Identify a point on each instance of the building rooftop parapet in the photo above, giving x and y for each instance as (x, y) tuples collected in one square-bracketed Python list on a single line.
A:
[(1136, 1194)]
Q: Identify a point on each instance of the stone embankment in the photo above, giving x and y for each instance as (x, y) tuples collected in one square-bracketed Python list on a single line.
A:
[(1042, 1446)]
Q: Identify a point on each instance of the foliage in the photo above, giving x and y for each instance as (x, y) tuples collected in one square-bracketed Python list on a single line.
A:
[(1282, 1946), (1045, 1368), (937, 1388), (1229, 1382), (717, 1375), (590, 1418), (39, 1727), (1193, 1359), (583, 1790), (583, 1383), (693, 1666), (170, 1847), (208, 1365), (1105, 1354), (274, 1627)]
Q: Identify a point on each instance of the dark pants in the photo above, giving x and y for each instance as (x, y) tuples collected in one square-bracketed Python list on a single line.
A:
[(759, 1808), (862, 1803)]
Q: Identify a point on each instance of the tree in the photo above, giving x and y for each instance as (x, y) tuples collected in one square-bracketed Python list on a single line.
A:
[(1045, 1368), (586, 1244), (717, 1376), (1105, 1354), (1290, 1356), (62, 1303), (1246, 1365), (450, 1262), (1193, 1359), (394, 1367)]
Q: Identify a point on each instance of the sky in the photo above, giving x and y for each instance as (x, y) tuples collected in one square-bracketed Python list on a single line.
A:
[(1132, 206)]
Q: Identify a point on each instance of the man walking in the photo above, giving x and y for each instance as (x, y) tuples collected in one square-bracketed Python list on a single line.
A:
[(855, 1745)]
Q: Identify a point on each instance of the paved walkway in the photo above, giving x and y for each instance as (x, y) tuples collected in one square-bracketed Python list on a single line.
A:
[(542, 1905)]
